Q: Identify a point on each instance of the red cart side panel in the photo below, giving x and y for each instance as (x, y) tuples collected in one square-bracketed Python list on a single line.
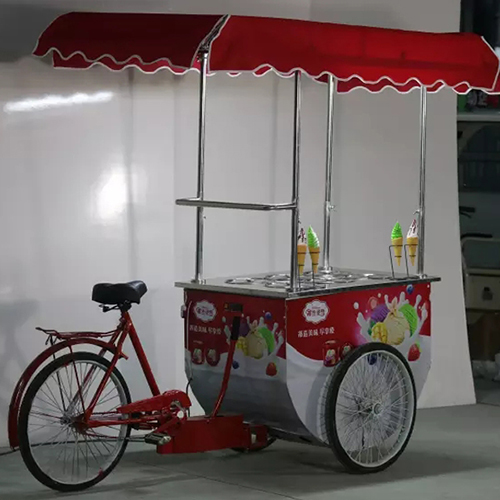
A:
[(257, 387), (321, 331)]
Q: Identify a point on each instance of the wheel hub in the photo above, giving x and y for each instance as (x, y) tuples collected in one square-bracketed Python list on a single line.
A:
[(66, 420), (377, 410), (373, 410)]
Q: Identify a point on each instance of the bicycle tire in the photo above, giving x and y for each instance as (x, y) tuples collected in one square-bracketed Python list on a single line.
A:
[(332, 397), (24, 414)]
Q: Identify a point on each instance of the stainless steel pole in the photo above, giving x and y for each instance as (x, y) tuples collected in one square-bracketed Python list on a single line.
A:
[(332, 87), (423, 162), (294, 271), (201, 168)]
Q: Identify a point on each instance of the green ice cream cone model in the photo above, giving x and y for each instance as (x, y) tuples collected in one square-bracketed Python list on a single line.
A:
[(397, 242), (314, 248)]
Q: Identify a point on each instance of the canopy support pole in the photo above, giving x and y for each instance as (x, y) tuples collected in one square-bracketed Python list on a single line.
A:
[(423, 164), (201, 168), (294, 271), (330, 134)]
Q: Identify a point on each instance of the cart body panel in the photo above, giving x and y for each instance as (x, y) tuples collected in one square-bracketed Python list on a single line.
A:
[(323, 330), (289, 348), (257, 387)]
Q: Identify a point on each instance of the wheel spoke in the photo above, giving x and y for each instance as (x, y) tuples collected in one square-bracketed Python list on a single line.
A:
[(55, 399), (39, 427), (38, 415), (52, 405)]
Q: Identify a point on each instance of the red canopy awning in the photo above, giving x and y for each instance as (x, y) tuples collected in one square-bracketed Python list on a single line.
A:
[(357, 56)]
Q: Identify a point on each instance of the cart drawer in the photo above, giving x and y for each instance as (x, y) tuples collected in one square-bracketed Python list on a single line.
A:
[(482, 292)]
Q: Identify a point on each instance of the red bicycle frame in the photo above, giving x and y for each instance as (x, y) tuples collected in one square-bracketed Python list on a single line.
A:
[(126, 329), (165, 414), (67, 340)]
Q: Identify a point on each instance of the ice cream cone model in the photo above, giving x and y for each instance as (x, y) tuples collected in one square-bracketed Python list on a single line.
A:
[(412, 241), (314, 248), (397, 242), (301, 251)]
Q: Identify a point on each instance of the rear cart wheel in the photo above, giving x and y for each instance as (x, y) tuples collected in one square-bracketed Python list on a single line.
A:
[(57, 447), (370, 408)]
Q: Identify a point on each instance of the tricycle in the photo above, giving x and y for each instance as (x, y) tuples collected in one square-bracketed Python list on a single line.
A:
[(322, 355)]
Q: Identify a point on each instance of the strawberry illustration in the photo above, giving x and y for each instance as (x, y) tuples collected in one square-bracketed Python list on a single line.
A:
[(414, 352), (271, 370)]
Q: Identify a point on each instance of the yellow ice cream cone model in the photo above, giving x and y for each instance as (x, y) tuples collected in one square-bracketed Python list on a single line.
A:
[(301, 251), (397, 242), (412, 241), (314, 248)]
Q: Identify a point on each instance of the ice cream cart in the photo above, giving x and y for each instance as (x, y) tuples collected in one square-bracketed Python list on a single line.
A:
[(321, 355)]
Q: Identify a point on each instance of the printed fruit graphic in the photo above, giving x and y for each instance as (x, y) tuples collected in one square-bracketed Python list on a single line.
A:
[(379, 332), (244, 328), (268, 336), (257, 345), (397, 326), (212, 357), (396, 323), (241, 344), (346, 349), (271, 370), (379, 313), (198, 356), (411, 316), (414, 352), (330, 357)]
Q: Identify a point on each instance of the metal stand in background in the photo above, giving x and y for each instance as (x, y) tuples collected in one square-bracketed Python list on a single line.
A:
[(198, 277), (423, 163), (294, 267), (326, 268)]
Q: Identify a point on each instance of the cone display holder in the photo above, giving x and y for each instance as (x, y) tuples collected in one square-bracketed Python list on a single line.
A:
[(392, 256)]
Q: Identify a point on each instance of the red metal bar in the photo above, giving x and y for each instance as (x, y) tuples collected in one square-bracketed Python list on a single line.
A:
[(95, 423), (107, 375), (141, 355), (80, 394), (225, 380), (157, 403)]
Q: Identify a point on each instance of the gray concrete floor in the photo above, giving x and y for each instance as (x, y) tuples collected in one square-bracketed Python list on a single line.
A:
[(454, 453)]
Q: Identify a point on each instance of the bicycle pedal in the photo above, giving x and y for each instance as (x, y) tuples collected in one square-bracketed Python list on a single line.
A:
[(157, 439)]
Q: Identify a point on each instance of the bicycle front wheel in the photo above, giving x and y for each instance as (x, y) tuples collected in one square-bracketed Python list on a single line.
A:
[(57, 447)]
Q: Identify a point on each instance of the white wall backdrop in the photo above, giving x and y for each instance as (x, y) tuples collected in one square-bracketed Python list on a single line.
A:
[(87, 189)]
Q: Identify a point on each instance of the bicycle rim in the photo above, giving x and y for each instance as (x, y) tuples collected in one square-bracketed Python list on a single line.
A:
[(375, 409), (62, 449)]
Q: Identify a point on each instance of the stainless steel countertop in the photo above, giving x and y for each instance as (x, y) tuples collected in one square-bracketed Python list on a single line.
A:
[(276, 285)]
